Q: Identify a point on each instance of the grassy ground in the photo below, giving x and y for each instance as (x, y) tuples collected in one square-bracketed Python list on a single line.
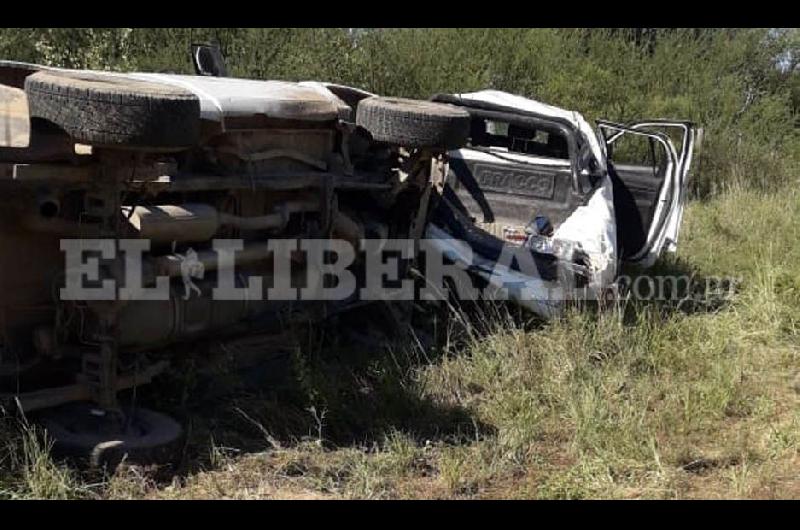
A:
[(674, 399)]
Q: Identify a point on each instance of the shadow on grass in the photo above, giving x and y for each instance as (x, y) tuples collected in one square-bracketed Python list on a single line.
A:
[(351, 380), (348, 382)]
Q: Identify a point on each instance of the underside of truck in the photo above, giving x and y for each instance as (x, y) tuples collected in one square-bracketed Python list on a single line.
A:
[(179, 161)]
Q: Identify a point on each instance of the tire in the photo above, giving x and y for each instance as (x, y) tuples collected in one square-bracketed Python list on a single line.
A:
[(13, 73), (110, 110), (414, 123), (150, 438)]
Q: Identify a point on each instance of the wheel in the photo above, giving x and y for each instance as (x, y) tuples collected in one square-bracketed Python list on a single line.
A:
[(414, 123), (80, 432), (111, 110)]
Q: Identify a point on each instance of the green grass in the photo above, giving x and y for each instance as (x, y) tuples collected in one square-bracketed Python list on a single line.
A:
[(644, 400)]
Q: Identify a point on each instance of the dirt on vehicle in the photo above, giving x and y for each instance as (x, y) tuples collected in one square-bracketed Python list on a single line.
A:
[(146, 210), (178, 162)]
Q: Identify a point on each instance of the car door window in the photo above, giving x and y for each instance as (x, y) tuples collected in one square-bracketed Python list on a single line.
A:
[(514, 138)]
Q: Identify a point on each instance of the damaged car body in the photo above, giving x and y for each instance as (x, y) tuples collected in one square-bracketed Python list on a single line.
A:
[(540, 181), (531, 200), (180, 162)]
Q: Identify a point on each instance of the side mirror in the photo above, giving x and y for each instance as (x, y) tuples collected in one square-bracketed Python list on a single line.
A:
[(208, 60)]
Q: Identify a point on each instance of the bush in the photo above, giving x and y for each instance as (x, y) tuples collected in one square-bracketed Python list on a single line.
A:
[(726, 80)]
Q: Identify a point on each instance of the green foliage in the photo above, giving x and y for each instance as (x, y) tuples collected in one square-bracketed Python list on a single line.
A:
[(726, 80)]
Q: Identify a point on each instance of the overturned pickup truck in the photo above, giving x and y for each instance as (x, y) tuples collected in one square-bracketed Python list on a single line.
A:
[(543, 208), (144, 210), (127, 198)]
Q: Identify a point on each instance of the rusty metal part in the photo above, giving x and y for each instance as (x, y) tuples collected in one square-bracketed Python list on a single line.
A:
[(273, 220), (100, 372), (310, 146), (288, 181), (63, 227), (347, 130), (345, 227), (249, 177), (170, 265), (45, 342), (171, 222), (49, 204), (146, 324), (199, 222), (280, 153), (53, 397)]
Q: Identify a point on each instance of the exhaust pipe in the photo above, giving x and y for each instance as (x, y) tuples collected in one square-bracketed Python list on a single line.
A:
[(199, 222)]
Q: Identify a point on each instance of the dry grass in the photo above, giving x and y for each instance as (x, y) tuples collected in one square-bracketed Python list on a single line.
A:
[(646, 400)]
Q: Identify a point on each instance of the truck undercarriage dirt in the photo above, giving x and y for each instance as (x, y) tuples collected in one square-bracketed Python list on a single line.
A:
[(176, 162)]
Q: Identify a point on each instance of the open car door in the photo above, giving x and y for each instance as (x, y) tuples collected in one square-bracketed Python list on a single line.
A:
[(650, 184)]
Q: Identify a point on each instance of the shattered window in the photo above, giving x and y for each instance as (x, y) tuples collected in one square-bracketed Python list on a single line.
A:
[(496, 128), (515, 138)]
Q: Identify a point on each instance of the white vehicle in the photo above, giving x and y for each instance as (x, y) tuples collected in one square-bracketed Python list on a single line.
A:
[(541, 178), (185, 161)]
